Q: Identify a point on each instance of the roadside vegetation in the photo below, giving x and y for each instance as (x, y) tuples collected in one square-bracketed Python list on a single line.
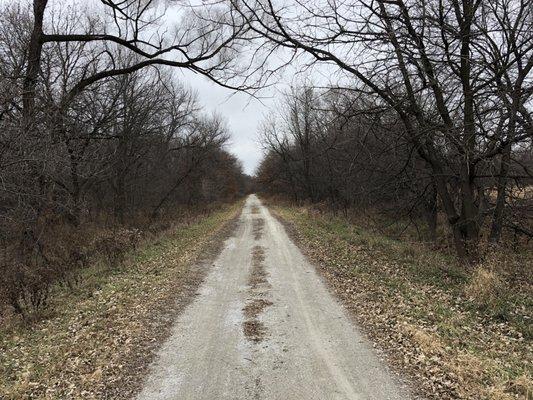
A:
[(99, 344), (89, 173), (413, 162), (113, 179), (461, 334)]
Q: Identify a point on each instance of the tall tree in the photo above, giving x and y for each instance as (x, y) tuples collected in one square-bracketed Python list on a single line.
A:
[(427, 61)]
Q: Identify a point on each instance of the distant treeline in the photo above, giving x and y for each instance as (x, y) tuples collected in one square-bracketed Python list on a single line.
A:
[(332, 147)]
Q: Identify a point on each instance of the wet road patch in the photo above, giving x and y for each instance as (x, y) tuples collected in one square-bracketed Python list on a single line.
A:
[(254, 330), (257, 228)]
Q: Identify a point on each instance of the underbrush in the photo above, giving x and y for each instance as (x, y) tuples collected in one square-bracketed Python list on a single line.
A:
[(462, 333), (55, 254), (94, 339)]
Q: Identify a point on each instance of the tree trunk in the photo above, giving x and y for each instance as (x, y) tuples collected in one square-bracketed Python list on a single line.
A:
[(120, 178), (120, 198), (469, 208), (75, 192), (497, 221), (34, 60), (431, 212), (448, 206)]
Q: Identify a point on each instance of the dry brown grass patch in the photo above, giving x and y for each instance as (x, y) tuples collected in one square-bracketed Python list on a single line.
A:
[(429, 343), (485, 288), (254, 330), (469, 371), (255, 307), (519, 388), (523, 385)]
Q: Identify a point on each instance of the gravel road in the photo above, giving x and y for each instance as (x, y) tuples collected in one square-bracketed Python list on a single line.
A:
[(264, 326)]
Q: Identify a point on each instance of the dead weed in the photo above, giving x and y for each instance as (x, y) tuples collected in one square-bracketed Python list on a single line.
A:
[(486, 288)]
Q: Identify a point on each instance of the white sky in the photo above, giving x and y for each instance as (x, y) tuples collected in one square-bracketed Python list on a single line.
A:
[(242, 113)]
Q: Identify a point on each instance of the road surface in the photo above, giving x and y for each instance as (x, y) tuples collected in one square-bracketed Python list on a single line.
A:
[(264, 326)]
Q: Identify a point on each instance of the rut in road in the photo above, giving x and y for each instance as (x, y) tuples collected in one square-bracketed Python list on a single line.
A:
[(264, 326)]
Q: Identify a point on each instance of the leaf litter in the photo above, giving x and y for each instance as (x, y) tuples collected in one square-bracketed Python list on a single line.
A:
[(100, 341), (427, 331)]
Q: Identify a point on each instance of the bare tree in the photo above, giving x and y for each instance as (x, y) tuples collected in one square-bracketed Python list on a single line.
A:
[(427, 61), (77, 162), (205, 48)]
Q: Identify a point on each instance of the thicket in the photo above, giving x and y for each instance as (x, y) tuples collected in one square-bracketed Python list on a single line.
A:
[(86, 173), (334, 150)]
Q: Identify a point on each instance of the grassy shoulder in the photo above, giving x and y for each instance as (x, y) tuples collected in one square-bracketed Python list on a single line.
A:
[(97, 338), (460, 335)]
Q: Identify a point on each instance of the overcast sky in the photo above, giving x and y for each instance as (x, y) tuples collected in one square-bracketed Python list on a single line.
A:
[(242, 113)]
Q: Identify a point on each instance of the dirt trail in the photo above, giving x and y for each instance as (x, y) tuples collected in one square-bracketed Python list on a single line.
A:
[(264, 326)]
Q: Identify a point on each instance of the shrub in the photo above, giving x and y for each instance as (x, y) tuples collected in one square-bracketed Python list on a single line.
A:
[(32, 263), (113, 245)]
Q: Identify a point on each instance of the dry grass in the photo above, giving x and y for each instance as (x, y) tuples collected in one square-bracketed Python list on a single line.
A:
[(457, 334), (524, 192), (31, 269), (486, 288), (100, 343), (428, 342)]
